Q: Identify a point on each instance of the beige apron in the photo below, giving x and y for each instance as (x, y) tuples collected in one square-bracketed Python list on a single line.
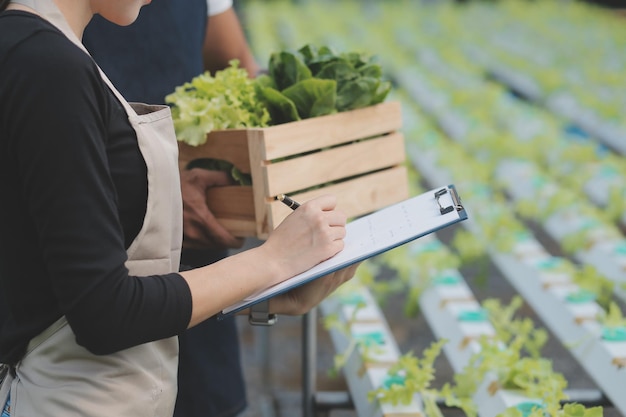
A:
[(59, 378)]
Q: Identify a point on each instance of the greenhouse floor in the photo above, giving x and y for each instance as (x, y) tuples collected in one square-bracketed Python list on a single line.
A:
[(272, 356)]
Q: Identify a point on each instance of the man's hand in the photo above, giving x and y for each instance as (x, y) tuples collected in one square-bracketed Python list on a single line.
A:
[(200, 228)]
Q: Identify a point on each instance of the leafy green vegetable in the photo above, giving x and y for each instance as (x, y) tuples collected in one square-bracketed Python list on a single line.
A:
[(410, 376), (357, 93), (568, 410), (589, 278), (340, 71), (206, 103), (287, 69), (613, 316), (319, 82), (508, 327), (281, 109), (313, 97), (305, 84)]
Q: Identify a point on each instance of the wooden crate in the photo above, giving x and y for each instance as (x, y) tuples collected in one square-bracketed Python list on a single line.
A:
[(357, 155)]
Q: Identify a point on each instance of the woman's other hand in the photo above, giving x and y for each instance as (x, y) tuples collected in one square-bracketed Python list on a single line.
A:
[(303, 298)]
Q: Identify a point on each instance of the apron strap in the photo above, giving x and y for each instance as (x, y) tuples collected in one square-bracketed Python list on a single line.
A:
[(27, 3), (43, 336), (48, 10)]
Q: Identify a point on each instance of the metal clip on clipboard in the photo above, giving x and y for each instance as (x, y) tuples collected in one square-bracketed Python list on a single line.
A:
[(456, 201)]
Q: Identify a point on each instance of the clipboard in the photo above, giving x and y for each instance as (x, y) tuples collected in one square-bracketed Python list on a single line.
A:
[(373, 234)]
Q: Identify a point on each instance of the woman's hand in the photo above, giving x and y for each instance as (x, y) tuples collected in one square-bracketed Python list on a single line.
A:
[(311, 234), (303, 298), (200, 227)]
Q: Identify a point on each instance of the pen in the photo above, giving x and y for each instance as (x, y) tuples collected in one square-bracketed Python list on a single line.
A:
[(289, 202)]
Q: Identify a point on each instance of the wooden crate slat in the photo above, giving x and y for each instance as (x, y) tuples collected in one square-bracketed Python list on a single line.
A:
[(239, 227), (334, 164), (256, 151), (229, 145), (306, 135), (233, 207), (355, 197), (232, 201)]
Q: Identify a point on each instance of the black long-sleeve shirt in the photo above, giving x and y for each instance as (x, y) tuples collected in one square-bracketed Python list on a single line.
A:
[(73, 189)]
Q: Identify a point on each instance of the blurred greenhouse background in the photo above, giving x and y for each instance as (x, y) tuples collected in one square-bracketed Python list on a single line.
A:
[(522, 105)]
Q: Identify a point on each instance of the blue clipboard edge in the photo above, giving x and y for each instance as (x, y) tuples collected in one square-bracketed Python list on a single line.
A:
[(462, 216)]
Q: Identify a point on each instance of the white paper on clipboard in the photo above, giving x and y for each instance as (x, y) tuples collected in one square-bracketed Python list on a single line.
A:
[(376, 233)]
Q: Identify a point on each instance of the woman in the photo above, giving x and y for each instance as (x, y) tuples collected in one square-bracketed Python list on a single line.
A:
[(197, 35), (90, 233)]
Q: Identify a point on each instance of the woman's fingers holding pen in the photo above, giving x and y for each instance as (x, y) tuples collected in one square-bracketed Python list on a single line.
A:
[(329, 223), (312, 233)]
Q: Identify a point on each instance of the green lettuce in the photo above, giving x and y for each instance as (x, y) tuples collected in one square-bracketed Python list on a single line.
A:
[(315, 82), (227, 100)]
